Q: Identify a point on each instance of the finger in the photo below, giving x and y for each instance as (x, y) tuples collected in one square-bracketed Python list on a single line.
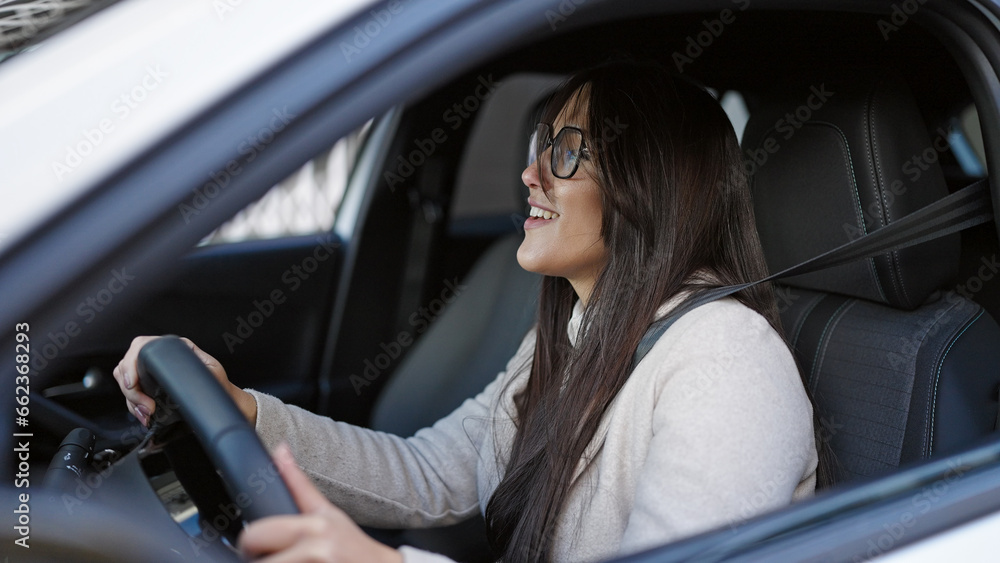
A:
[(120, 375), (129, 365), (140, 403), (210, 362), (278, 533), (134, 398), (126, 373), (306, 495), (131, 410), (313, 549)]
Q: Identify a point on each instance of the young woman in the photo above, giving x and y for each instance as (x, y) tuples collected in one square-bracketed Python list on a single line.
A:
[(638, 202)]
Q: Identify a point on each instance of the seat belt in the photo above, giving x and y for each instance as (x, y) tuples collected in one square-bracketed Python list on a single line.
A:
[(965, 208)]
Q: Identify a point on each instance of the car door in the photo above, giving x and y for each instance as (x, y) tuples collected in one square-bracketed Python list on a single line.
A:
[(50, 285)]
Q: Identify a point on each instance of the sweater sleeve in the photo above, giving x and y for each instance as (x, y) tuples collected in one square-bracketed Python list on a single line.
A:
[(383, 480), (732, 429)]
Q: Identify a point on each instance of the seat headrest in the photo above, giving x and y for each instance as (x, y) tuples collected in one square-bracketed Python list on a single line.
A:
[(839, 159)]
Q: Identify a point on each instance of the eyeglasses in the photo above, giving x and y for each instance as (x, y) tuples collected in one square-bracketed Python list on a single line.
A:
[(568, 149)]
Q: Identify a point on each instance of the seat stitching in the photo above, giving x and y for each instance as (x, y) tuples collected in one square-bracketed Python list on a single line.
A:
[(845, 149), (873, 162), (895, 272), (823, 342), (937, 378), (802, 321)]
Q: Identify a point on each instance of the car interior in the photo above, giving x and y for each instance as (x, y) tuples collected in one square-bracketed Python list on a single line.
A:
[(845, 128)]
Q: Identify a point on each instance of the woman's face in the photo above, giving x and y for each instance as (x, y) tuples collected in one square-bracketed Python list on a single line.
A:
[(569, 244)]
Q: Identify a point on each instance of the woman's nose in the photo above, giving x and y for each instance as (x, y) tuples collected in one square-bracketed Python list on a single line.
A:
[(530, 176)]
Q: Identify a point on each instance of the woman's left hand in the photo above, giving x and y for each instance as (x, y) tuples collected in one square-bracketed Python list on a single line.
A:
[(322, 532)]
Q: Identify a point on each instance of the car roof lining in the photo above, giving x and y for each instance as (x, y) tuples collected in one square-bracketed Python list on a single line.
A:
[(758, 52)]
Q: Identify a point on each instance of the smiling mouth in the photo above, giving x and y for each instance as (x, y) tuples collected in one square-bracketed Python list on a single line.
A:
[(540, 213)]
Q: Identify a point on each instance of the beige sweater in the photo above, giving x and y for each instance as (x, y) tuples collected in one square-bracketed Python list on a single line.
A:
[(712, 427)]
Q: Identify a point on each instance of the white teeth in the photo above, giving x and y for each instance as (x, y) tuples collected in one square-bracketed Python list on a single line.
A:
[(542, 213)]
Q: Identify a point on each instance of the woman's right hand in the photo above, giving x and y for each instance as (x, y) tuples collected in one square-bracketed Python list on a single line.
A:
[(142, 405)]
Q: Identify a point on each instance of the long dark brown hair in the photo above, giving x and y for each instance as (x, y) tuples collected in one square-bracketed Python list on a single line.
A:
[(675, 203)]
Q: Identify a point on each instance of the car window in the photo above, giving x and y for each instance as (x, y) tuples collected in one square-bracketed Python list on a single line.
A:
[(965, 137), (302, 204), (24, 23), (736, 108)]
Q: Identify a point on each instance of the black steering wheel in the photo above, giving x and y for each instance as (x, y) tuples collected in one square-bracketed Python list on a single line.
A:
[(184, 390)]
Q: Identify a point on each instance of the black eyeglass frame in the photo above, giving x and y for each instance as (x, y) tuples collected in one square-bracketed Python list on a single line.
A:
[(537, 147)]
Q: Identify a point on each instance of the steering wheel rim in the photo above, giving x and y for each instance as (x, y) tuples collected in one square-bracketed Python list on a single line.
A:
[(181, 385)]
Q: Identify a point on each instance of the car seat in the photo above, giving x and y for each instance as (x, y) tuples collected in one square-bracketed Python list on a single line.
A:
[(901, 367), (469, 344)]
